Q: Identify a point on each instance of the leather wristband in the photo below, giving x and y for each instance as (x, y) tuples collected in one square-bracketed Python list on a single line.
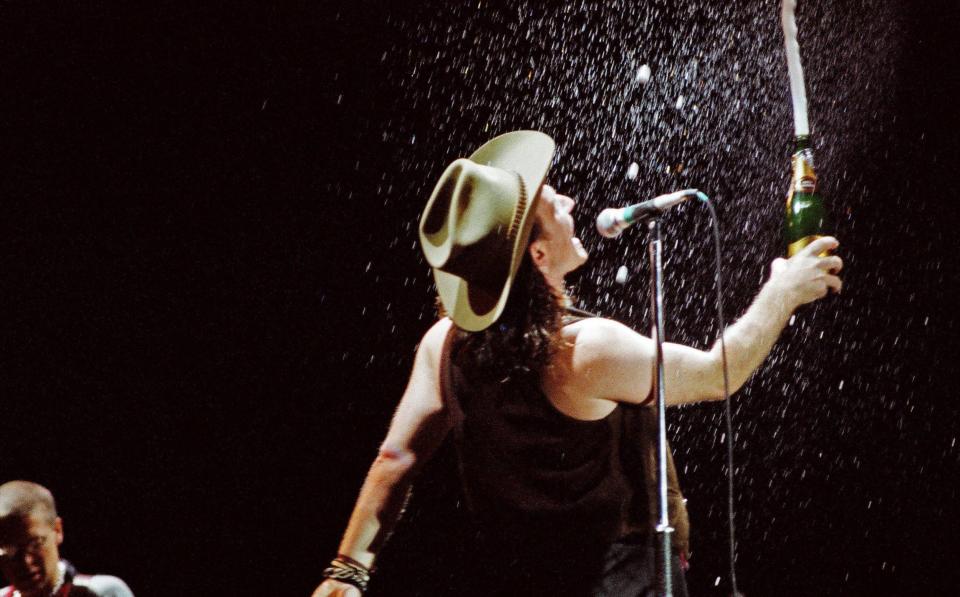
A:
[(348, 570)]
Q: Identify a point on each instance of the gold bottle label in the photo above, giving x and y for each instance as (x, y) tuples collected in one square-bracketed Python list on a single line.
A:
[(803, 180)]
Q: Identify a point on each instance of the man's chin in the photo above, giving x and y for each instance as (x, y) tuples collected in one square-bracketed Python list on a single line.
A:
[(32, 585), (581, 251)]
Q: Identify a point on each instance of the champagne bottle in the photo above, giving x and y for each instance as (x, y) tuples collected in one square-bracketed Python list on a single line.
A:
[(806, 214)]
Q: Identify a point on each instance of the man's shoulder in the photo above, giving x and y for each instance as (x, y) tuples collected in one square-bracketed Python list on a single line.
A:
[(433, 339), (438, 331), (103, 585), (598, 343), (595, 329)]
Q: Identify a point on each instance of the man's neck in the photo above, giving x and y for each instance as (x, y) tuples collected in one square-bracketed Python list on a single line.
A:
[(559, 288), (556, 283)]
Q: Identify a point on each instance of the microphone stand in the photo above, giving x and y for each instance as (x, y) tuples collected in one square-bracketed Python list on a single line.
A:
[(664, 530)]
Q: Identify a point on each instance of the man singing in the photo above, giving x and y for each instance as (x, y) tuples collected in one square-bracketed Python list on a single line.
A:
[(541, 406)]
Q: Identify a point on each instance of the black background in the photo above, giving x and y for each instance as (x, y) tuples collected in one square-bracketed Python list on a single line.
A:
[(211, 291)]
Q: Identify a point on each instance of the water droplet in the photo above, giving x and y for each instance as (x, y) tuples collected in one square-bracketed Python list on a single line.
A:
[(643, 74), (622, 275)]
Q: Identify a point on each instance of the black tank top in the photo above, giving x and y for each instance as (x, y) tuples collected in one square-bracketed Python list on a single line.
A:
[(548, 492)]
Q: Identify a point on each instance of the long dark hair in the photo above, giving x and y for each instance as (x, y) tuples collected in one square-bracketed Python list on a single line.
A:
[(519, 345)]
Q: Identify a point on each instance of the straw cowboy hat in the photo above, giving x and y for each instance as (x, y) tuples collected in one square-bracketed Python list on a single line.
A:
[(477, 223)]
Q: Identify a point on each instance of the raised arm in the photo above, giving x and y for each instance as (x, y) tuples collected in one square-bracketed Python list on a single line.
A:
[(692, 375), (620, 362), (418, 427)]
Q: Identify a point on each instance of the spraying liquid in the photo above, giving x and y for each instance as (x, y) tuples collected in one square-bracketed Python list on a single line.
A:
[(806, 215)]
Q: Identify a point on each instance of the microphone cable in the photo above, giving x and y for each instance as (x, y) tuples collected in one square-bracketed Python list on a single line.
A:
[(728, 415)]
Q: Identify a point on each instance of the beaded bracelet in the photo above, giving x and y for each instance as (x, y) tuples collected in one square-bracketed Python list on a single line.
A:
[(348, 570)]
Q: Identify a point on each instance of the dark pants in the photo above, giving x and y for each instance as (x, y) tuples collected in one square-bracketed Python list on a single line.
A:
[(625, 568), (630, 570)]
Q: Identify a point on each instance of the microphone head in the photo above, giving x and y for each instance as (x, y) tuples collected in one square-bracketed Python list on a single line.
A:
[(609, 223)]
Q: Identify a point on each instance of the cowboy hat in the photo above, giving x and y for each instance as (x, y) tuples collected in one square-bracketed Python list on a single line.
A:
[(476, 225)]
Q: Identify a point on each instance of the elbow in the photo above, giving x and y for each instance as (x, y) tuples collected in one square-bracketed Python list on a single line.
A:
[(719, 395), (395, 461), (721, 384), (719, 390), (713, 392), (387, 479)]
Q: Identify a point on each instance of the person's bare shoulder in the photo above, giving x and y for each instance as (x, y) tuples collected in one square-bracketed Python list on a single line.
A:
[(598, 337), (609, 358), (432, 341)]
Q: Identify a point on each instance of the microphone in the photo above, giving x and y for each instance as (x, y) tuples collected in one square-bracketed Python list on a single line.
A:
[(612, 221)]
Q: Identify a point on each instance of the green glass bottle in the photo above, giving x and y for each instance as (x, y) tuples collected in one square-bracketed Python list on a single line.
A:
[(806, 213)]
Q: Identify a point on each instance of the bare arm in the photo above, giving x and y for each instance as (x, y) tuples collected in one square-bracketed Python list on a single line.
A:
[(418, 427), (620, 362), (692, 375)]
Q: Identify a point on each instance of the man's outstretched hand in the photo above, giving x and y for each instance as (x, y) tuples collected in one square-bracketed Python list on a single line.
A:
[(810, 274)]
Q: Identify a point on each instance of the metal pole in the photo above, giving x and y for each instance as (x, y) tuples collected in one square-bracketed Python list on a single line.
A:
[(664, 530)]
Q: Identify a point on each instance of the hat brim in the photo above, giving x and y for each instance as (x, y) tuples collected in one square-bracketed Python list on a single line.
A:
[(529, 154)]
